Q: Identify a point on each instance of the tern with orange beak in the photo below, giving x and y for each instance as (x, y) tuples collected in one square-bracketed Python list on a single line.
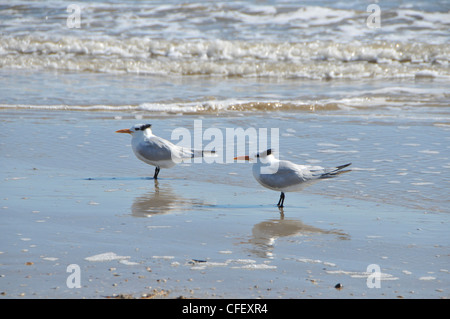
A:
[(157, 151), (285, 176)]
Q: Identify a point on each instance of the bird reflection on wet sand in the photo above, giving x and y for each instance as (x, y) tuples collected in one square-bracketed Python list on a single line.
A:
[(264, 234), (162, 200)]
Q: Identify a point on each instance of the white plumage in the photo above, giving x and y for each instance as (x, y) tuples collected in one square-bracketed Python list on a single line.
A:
[(285, 176), (157, 151)]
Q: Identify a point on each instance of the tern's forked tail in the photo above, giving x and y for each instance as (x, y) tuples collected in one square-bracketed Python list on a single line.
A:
[(336, 171)]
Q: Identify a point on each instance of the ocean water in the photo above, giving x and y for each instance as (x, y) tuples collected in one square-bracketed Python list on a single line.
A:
[(339, 88)]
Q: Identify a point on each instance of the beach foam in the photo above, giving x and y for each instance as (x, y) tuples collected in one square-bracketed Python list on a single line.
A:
[(110, 256), (309, 60)]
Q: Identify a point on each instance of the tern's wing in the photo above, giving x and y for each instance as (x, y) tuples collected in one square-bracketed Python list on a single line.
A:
[(284, 174), (155, 149), (159, 149)]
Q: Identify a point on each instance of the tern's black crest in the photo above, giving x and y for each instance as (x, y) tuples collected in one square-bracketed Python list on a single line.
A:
[(265, 153), (143, 127)]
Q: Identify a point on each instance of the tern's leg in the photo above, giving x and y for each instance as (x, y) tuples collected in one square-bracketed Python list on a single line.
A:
[(281, 201), (156, 172)]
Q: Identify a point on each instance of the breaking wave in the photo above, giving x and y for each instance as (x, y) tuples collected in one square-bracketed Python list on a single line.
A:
[(310, 60), (384, 102)]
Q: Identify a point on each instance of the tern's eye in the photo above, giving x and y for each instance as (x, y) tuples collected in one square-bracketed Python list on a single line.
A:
[(137, 129)]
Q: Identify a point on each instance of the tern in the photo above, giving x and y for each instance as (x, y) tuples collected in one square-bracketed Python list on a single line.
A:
[(285, 176), (157, 151)]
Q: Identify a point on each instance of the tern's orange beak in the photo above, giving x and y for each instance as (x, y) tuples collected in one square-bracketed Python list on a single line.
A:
[(124, 131), (242, 158)]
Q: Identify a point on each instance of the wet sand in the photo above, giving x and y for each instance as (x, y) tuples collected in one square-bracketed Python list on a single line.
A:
[(73, 193)]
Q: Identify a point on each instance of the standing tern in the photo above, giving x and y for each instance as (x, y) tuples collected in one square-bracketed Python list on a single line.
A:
[(157, 151), (286, 176)]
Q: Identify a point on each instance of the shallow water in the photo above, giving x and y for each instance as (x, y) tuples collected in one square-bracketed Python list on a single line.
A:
[(73, 193), (396, 160)]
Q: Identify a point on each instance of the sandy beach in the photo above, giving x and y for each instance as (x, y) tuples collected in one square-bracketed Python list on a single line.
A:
[(77, 195)]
